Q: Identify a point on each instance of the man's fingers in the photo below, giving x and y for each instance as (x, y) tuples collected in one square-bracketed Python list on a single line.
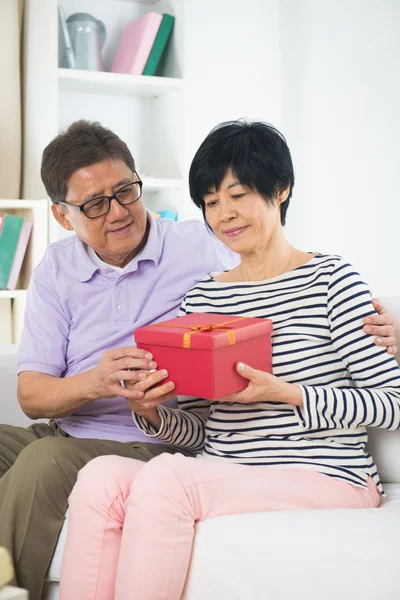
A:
[(131, 376), (129, 352), (380, 330), (133, 363), (118, 390), (385, 342), (384, 319), (377, 305), (392, 350)]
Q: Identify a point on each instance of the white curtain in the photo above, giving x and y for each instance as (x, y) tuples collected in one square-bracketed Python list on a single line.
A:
[(11, 17)]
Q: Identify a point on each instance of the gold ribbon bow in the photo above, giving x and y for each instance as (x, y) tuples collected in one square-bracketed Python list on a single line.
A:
[(206, 327)]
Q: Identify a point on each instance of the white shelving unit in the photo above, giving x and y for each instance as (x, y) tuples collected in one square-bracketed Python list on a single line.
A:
[(116, 84), (222, 63), (146, 112), (12, 302)]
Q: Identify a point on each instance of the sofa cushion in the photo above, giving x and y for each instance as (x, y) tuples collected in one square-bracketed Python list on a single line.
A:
[(249, 527), (335, 554)]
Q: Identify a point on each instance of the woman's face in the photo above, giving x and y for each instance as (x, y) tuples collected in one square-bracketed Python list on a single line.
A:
[(241, 218)]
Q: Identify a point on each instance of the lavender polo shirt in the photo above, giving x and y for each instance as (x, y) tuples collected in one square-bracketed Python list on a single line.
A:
[(76, 310)]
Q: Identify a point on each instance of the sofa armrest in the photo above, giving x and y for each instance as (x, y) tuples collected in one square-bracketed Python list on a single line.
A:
[(10, 410)]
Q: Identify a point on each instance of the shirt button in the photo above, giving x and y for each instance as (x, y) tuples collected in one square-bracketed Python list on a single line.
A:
[(120, 307), (122, 284)]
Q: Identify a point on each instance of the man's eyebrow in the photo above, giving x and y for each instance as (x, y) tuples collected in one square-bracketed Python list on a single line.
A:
[(101, 193)]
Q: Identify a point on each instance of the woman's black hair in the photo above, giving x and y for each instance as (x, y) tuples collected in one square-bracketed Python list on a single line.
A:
[(255, 152)]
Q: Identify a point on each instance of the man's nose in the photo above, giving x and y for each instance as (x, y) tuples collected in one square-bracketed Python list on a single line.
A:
[(117, 211)]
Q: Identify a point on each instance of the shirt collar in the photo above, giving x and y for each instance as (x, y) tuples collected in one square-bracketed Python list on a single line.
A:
[(152, 251)]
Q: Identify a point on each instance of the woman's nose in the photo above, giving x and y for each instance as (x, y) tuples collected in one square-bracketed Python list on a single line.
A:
[(227, 211)]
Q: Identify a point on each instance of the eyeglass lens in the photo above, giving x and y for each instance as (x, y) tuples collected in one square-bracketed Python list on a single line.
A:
[(100, 206)]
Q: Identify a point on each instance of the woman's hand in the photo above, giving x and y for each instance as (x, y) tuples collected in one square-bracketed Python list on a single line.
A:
[(154, 393), (383, 326), (264, 387)]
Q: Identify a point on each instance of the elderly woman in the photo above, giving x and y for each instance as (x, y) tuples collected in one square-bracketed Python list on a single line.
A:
[(292, 440)]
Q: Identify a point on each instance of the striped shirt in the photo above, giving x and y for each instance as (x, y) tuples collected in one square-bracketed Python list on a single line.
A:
[(347, 382)]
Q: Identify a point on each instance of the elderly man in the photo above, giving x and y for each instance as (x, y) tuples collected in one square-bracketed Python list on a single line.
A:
[(121, 270)]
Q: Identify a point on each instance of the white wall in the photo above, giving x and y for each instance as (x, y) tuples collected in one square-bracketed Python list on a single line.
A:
[(231, 67), (340, 113)]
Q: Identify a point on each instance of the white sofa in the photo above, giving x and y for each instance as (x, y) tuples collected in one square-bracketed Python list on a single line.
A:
[(310, 555)]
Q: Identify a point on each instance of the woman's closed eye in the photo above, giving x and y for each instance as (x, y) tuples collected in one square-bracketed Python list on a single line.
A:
[(211, 203), (238, 196)]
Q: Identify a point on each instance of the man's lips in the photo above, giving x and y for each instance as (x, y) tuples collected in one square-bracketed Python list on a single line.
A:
[(121, 229), (234, 231)]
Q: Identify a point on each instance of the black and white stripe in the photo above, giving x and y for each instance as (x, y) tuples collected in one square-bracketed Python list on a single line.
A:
[(347, 382)]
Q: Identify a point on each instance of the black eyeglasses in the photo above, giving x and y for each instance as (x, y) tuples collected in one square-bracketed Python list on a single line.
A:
[(100, 206)]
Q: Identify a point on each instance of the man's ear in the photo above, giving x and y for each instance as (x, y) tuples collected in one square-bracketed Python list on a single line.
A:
[(61, 216)]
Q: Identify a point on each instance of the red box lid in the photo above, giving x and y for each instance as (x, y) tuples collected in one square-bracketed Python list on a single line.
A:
[(172, 332)]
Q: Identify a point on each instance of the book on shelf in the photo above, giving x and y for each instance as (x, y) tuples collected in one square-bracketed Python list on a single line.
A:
[(135, 45), (14, 238), (143, 44), (159, 45)]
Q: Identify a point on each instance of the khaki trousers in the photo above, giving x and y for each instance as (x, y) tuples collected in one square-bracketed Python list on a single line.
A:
[(38, 469)]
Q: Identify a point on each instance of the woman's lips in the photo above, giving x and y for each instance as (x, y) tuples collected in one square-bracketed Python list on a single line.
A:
[(235, 232)]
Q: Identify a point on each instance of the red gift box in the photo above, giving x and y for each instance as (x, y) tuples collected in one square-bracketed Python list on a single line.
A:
[(200, 351)]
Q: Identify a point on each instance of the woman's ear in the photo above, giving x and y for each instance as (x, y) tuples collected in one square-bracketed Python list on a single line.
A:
[(282, 195), (61, 216)]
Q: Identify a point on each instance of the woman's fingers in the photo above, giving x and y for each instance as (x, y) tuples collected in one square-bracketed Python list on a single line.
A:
[(147, 380)]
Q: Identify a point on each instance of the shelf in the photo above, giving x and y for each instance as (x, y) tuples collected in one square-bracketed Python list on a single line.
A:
[(21, 204), (6, 294), (155, 184), (143, 1), (116, 84)]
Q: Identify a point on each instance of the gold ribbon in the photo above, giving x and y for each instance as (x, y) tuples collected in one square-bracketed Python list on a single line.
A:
[(206, 327)]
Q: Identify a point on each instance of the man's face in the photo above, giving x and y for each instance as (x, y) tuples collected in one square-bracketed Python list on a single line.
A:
[(116, 237)]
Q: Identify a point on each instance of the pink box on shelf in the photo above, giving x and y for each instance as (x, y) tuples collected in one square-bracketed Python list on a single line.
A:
[(136, 43)]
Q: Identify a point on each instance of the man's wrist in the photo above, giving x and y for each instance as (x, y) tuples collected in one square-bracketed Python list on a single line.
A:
[(90, 391)]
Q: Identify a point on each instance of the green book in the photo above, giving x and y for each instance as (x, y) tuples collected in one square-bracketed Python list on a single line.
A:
[(9, 237), (158, 47)]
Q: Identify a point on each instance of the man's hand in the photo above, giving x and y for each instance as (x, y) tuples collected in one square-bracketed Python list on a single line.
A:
[(153, 391), (382, 325), (121, 364), (264, 387)]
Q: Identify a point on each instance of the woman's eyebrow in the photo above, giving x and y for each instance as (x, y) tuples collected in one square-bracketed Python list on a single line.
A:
[(231, 185)]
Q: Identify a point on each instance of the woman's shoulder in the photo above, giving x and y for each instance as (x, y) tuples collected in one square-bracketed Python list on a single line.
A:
[(330, 263), (334, 263), (203, 284)]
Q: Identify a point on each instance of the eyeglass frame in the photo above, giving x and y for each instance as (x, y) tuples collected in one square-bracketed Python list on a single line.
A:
[(81, 207)]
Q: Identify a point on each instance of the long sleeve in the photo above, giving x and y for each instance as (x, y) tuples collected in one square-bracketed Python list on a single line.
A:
[(374, 401), (183, 426)]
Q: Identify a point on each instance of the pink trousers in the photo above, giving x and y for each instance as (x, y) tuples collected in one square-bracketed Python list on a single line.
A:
[(131, 527)]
